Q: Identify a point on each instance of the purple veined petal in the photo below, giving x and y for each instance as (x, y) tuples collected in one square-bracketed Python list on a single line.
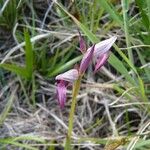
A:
[(86, 60), (103, 46), (61, 93), (101, 61), (82, 44), (69, 76)]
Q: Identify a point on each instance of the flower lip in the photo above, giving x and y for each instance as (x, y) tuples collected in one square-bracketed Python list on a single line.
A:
[(62, 82), (69, 76), (61, 93), (101, 61)]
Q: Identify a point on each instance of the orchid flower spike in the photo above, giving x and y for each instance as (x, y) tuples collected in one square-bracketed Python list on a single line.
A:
[(62, 82)]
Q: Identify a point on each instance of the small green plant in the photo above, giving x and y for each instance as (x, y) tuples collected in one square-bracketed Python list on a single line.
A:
[(8, 13), (100, 52), (26, 70)]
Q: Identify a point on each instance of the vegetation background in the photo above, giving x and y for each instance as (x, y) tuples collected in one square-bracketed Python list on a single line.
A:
[(39, 39)]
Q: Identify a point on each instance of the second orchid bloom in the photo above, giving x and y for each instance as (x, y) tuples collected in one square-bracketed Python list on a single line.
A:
[(99, 52)]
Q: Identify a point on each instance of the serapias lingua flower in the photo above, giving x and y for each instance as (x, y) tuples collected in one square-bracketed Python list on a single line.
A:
[(87, 57), (100, 52), (62, 82)]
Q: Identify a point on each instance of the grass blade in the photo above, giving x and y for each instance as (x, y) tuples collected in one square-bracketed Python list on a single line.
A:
[(7, 108), (28, 54), (8, 14), (126, 24), (126, 59), (113, 14), (148, 5), (143, 62), (21, 145), (79, 24), (145, 17), (16, 69), (64, 67), (118, 65), (140, 82)]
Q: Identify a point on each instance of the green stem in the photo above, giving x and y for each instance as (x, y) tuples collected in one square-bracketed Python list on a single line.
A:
[(126, 29), (76, 88)]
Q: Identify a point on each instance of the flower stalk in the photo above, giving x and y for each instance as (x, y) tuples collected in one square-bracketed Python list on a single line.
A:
[(100, 52), (76, 89)]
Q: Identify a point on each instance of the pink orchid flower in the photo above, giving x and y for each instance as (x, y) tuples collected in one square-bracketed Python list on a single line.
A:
[(62, 82), (87, 57), (100, 51)]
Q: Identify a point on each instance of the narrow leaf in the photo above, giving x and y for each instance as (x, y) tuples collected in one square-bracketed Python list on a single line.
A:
[(112, 12), (64, 67), (16, 69), (118, 65), (28, 54)]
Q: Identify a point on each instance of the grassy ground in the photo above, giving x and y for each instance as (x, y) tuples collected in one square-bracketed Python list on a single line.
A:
[(39, 40)]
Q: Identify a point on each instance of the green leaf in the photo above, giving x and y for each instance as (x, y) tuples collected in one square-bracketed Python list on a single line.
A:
[(140, 3), (17, 144), (141, 144), (64, 67), (112, 11), (79, 24), (143, 62), (125, 58), (125, 5), (16, 69), (17, 141), (8, 14), (148, 5), (28, 54), (145, 17), (142, 91), (141, 84), (29, 137), (118, 65)]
